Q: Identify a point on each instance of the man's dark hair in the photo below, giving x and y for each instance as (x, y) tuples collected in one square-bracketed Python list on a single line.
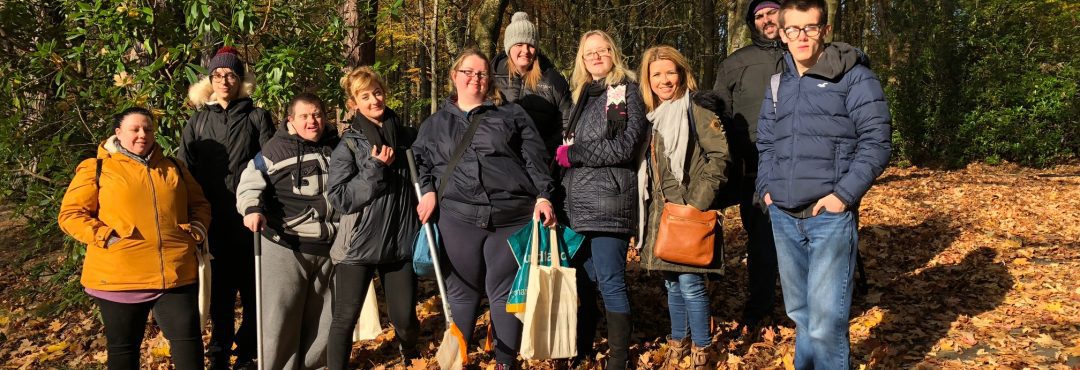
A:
[(305, 97), (119, 117), (805, 6)]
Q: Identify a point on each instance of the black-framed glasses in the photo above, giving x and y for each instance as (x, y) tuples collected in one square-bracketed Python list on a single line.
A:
[(471, 73), (811, 30), (232, 77), (605, 52)]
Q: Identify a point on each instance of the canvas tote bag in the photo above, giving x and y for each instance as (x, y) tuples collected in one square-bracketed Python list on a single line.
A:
[(550, 322)]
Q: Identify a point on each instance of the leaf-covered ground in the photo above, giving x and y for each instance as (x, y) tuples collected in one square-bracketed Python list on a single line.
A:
[(967, 269)]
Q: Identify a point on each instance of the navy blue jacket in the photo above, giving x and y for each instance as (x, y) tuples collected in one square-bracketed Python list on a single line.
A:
[(830, 132), (503, 171)]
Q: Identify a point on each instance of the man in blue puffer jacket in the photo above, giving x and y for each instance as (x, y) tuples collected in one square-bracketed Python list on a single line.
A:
[(820, 148)]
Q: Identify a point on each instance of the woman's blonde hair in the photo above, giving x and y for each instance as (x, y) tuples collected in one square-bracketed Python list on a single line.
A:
[(581, 77), (360, 79), (202, 92), (492, 91), (686, 77), (532, 76)]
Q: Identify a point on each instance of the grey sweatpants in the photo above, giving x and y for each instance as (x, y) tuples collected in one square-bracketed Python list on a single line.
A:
[(295, 307)]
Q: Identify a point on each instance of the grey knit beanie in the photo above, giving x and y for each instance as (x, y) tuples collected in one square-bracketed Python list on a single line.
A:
[(227, 57), (520, 31)]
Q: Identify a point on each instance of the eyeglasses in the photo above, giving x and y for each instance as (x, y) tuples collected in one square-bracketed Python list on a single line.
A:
[(471, 73), (221, 77), (812, 30), (605, 52)]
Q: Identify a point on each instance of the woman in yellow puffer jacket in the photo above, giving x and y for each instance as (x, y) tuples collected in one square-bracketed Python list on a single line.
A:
[(141, 215)]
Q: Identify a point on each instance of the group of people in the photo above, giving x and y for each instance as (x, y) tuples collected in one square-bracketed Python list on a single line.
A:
[(793, 136)]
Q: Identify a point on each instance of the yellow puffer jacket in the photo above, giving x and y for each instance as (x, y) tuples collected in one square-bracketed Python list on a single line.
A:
[(157, 210)]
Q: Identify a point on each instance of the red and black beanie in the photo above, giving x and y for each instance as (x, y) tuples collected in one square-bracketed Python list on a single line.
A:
[(227, 57)]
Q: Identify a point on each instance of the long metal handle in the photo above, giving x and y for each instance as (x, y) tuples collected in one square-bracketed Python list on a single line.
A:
[(258, 301), (430, 233)]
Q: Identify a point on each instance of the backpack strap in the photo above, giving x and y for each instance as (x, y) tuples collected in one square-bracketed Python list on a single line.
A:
[(200, 123), (97, 174), (260, 163), (178, 168), (774, 82), (350, 144)]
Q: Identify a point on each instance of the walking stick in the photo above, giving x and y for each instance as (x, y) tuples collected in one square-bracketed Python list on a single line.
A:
[(258, 300)]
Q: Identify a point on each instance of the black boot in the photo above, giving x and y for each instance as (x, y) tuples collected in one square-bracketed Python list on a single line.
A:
[(618, 331), (408, 353)]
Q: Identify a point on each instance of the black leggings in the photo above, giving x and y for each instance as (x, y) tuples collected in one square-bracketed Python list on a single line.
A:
[(478, 262), (176, 312), (348, 291)]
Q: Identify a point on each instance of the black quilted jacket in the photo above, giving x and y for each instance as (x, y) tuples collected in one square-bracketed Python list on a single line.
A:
[(601, 184)]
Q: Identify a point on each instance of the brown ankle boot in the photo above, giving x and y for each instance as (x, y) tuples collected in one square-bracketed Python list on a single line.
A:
[(699, 357), (677, 349)]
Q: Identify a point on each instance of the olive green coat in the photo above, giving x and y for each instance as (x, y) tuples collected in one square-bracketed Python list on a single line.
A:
[(708, 159)]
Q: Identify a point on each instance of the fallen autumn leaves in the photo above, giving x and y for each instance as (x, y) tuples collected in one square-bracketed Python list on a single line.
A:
[(967, 269)]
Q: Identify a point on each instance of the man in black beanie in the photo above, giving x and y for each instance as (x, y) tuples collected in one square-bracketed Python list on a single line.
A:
[(740, 85), (216, 144)]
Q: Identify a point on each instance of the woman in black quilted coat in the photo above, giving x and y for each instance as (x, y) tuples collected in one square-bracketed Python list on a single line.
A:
[(605, 134)]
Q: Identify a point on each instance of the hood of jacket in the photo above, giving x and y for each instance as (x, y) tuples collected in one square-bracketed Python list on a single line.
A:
[(110, 148), (837, 59), (756, 35)]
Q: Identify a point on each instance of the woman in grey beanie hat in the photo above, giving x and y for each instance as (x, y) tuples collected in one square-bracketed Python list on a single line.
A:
[(524, 76)]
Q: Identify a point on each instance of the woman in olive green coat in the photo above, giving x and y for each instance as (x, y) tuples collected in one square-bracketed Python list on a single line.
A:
[(691, 154)]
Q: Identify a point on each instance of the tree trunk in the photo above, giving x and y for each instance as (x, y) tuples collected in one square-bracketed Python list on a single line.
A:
[(707, 53), (359, 43), (433, 56), (738, 33), (834, 17), (490, 23)]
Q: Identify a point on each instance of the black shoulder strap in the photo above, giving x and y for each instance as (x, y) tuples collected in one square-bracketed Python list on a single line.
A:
[(97, 174), (178, 168), (350, 144), (200, 123), (474, 121)]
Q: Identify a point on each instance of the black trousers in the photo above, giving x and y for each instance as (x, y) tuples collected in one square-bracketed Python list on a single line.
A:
[(348, 292), (176, 312), (762, 270), (233, 271)]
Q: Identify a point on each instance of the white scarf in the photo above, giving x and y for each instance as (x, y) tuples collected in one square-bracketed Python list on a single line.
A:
[(670, 121)]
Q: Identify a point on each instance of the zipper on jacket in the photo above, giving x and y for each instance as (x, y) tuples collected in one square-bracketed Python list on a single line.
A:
[(157, 222), (794, 135)]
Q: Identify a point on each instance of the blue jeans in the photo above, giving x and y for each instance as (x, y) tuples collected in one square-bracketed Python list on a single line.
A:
[(688, 307), (817, 262), (603, 259)]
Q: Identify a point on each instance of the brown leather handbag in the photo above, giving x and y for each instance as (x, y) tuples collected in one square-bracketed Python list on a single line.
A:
[(686, 235)]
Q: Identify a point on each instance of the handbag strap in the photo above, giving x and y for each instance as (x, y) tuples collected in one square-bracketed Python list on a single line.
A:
[(459, 151)]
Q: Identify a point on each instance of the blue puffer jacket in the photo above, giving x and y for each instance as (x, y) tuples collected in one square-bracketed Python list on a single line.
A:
[(830, 132)]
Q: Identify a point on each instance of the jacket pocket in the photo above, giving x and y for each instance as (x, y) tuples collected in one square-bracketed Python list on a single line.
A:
[(307, 224)]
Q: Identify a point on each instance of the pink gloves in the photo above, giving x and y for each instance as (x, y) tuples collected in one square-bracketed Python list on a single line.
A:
[(562, 156)]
